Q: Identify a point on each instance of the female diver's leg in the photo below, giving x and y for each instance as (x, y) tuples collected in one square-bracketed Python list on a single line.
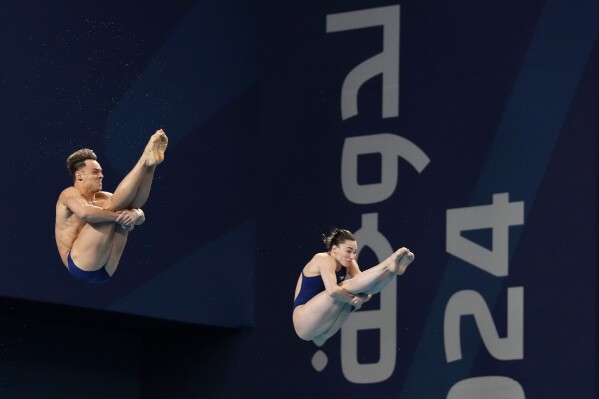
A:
[(318, 316), (336, 326), (322, 316), (373, 280)]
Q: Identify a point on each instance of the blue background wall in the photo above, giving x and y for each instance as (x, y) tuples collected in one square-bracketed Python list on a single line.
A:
[(498, 101)]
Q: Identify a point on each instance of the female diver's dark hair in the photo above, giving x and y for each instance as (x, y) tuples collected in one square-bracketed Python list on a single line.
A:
[(336, 237)]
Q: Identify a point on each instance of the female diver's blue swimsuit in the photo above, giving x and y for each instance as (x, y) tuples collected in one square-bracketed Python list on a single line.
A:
[(312, 286)]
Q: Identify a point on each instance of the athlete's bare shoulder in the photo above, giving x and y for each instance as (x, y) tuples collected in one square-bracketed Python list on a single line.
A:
[(319, 262), (322, 257), (65, 194), (69, 191)]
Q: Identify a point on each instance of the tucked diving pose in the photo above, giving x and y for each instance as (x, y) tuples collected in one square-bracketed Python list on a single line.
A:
[(92, 225), (324, 298)]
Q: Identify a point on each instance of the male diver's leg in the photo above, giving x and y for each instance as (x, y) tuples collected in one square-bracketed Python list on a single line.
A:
[(158, 147), (127, 189), (92, 248), (118, 246), (134, 189), (143, 191)]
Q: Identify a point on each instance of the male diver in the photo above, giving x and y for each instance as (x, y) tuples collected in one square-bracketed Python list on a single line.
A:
[(92, 225)]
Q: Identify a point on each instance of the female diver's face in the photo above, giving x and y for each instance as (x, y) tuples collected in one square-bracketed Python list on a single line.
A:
[(345, 253)]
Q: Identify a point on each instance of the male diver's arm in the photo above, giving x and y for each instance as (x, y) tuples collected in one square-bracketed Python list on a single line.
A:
[(141, 216), (88, 213), (130, 217)]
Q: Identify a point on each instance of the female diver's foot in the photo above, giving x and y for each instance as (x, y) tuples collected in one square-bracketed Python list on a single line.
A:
[(403, 258)]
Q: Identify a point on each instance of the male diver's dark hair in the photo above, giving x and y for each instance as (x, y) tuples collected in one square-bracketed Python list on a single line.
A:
[(336, 237), (76, 160)]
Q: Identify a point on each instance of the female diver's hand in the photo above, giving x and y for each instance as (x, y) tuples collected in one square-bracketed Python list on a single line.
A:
[(358, 300)]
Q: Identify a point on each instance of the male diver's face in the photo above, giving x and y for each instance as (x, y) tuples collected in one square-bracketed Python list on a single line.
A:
[(345, 253), (91, 176)]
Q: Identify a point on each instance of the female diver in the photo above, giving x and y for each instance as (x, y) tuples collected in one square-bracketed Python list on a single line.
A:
[(324, 297)]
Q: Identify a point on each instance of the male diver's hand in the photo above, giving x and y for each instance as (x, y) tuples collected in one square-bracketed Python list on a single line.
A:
[(126, 218)]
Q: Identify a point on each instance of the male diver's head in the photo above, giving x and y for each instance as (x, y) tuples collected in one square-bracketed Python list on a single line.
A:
[(85, 169)]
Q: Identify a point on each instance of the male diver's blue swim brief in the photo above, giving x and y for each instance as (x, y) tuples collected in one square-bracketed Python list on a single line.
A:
[(96, 277)]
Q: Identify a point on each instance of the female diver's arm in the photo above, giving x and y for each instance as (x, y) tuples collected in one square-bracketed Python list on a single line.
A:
[(327, 273)]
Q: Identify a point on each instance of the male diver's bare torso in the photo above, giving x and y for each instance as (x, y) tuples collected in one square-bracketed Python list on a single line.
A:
[(68, 224)]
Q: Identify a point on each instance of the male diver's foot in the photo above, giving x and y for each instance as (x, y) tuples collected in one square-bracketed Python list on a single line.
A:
[(403, 258), (154, 152)]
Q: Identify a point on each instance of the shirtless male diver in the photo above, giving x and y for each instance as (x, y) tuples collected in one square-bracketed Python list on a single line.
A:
[(92, 225)]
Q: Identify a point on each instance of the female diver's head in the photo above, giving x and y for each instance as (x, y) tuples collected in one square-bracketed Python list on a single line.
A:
[(341, 245)]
